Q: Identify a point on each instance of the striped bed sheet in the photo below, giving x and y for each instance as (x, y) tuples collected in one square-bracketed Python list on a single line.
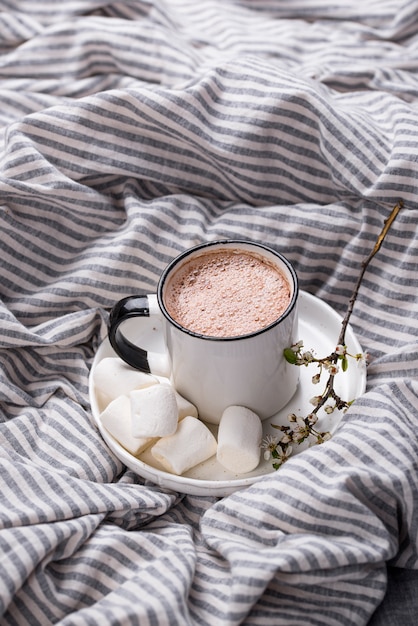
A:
[(130, 131)]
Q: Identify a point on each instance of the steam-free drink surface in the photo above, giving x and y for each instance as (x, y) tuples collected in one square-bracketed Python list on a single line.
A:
[(226, 293)]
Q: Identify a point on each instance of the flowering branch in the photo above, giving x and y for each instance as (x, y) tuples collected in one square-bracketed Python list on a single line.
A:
[(303, 428)]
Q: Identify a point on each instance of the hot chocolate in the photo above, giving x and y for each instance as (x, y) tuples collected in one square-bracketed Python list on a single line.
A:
[(226, 293)]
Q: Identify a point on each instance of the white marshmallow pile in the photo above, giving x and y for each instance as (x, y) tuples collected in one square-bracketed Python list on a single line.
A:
[(141, 412)]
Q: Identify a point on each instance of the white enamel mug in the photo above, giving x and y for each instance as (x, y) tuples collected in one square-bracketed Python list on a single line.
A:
[(216, 372)]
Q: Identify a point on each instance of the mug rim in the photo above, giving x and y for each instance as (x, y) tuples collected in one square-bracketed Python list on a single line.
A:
[(228, 242)]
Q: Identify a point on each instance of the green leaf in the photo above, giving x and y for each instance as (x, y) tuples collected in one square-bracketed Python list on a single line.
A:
[(344, 364), (289, 355)]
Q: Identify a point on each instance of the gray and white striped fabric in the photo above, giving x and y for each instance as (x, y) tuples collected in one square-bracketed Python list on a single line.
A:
[(131, 130)]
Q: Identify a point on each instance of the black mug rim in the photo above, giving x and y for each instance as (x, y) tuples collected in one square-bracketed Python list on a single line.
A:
[(228, 242)]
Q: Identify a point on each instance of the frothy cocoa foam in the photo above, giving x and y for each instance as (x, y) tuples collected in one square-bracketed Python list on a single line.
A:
[(226, 293)]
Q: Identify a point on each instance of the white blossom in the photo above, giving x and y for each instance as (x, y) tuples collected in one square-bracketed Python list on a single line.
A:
[(284, 454), (312, 418), (268, 444), (315, 400)]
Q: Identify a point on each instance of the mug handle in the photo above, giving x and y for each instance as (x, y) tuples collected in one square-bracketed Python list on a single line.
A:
[(136, 306)]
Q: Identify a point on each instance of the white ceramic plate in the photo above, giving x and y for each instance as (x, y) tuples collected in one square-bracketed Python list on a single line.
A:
[(319, 327)]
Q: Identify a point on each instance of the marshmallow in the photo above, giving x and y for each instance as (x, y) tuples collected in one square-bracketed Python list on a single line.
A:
[(185, 407), (191, 444), (113, 377), (116, 418), (239, 438), (154, 411)]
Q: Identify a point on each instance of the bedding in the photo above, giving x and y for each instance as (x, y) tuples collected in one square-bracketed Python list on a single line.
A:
[(130, 131)]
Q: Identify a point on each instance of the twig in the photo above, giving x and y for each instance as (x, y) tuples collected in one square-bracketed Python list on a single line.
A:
[(387, 224), (305, 427)]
